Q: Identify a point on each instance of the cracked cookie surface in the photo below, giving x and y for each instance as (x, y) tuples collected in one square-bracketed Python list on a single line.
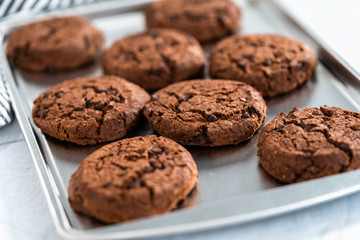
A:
[(206, 112), (133, 178), (206, 20), (155, 58), (55, 44), (90, 110), (270, 63), (310, 143)]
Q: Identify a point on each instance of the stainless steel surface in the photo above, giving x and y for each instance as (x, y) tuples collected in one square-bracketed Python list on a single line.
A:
[(232, 187)]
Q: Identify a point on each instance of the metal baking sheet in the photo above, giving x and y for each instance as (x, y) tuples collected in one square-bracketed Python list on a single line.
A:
[(233, 188)]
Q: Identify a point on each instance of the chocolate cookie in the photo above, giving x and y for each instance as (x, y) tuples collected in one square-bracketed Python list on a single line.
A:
[(206, 112), (310, 143), (155, 58), (272, 64), (133, 178), (89, 110), (55, 44), (206, 20)]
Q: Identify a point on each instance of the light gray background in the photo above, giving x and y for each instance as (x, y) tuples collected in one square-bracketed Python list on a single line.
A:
[(24, 212)]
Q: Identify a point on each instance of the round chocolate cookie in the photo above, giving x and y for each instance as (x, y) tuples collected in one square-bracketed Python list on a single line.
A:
[(133, 178), (206, 20), (310, 143), (55, 44), (272, 64), (90, 110), (206, 112), (155, 58)]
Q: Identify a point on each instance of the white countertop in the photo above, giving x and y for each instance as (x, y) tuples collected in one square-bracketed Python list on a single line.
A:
[(24, 212)]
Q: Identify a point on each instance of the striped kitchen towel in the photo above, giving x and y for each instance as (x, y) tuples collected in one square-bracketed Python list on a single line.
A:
[(5, 109), (18, 8)]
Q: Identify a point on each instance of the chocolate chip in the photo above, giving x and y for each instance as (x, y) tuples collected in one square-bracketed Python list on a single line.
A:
[(119, 99), (143, 48), (241, 64), (147, 169), (101, 91), (154, 98), (43, 114), (157, 165), (108, 186), (156, 150), (355, 126), (252, 111), (212, 118), (115, 164), (100, 105), (152, 155), (127, 183), (136, 183), (200, 139), (140, 151), (278, 54), (315, 129), (99, 164), (88, 103), (317, 112), (186, 97), (295, 109), (59, 94), (179, 204), (267, 63), (267, 75), (113, 91), (326, 112), (221, 21), (173, 44), (246, 115), (158, 113), (248, 57), (280, 128)]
